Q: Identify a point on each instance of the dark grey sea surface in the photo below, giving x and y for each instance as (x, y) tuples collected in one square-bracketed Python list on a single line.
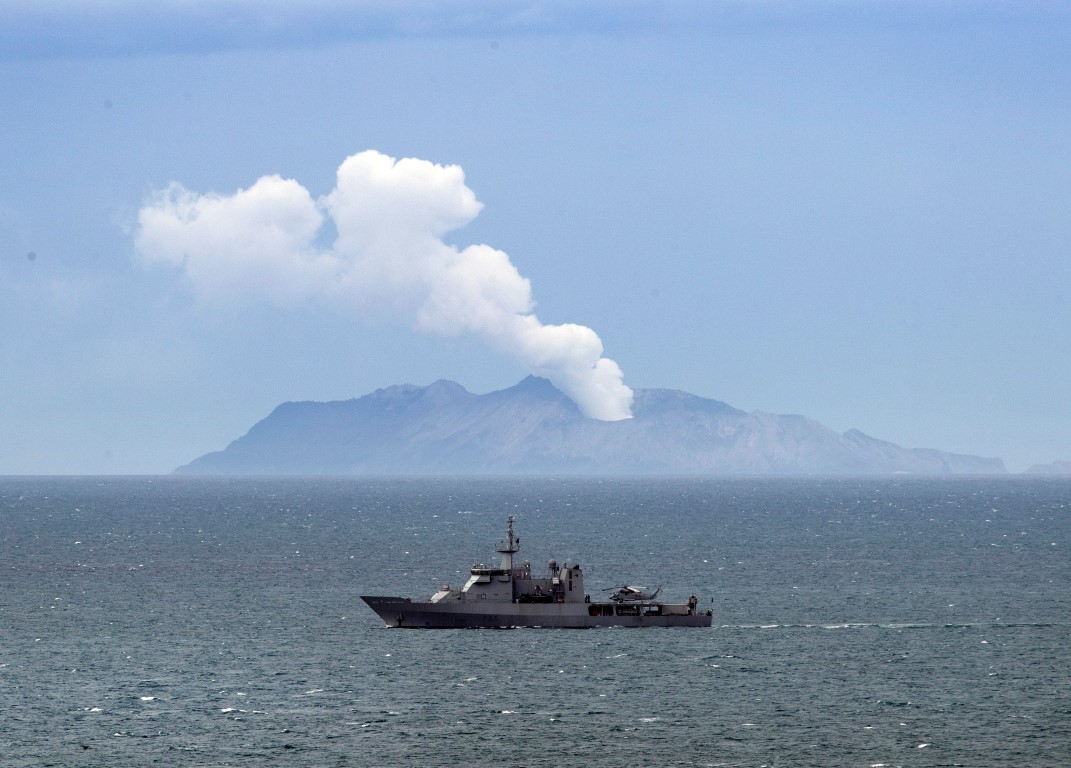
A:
[(217, 622)]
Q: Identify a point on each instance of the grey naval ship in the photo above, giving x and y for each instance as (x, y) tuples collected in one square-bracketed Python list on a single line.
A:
[(510, 596)]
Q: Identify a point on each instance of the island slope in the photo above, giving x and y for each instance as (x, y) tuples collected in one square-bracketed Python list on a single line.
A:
[(532, 428)]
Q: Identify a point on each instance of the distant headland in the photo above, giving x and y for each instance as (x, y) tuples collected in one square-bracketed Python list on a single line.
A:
[(1055, 468)]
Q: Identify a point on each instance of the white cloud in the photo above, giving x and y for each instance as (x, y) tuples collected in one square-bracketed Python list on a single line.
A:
[(390, 216), (256, 242)]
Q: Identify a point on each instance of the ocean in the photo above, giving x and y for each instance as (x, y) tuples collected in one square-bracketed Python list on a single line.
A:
[(217, 622)]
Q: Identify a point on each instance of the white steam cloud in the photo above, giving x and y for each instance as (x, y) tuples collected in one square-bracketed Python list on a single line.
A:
[(390, 217)]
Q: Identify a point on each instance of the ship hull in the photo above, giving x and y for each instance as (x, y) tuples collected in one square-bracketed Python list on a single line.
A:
[(409, 614)]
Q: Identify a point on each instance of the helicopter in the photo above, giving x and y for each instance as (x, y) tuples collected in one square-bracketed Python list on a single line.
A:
[(630, 593)]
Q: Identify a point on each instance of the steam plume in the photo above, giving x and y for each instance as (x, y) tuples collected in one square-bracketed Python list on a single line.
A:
[(390, 217)]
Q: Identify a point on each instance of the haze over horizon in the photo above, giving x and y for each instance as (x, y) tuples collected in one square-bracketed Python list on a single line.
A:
[(859, 212)]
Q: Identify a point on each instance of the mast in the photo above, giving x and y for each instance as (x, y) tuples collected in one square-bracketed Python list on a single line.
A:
[(509, 547)]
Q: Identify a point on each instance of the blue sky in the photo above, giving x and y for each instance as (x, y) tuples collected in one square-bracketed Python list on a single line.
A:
[(860, 211)]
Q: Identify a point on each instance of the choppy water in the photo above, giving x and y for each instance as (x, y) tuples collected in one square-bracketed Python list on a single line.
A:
[(858, 622)]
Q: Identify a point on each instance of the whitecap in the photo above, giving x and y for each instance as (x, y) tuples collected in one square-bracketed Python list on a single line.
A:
[(849, 625)]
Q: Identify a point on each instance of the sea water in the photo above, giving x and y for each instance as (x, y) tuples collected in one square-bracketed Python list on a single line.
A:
[(217, 622)]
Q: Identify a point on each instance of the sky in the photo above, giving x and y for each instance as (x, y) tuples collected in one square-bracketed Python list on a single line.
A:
[(856, 211)]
